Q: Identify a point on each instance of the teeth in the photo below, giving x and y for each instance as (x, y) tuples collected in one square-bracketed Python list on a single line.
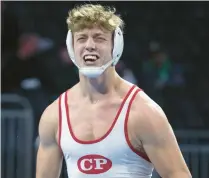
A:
[(90, 57)]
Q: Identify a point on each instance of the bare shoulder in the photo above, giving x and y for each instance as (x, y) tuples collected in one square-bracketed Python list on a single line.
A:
[(48, 124), (147, 106), (147, 115), (50, 114)]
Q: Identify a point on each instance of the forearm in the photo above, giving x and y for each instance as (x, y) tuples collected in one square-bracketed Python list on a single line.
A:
[(48, 165), (48, 170), (46, 173), (185, 174)]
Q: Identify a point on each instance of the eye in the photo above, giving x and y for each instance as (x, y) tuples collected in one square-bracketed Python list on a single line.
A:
[(101, 38), (81, 38)]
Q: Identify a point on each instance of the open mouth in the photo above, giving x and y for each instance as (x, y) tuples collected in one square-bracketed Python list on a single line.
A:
[(90, 58)]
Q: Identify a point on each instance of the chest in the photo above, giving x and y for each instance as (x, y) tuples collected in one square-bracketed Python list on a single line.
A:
[(91, 122)]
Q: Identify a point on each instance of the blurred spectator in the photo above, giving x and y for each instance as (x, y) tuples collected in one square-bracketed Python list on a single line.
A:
[(17, 49), (157, 72), (164, 81), (32, 44), (20, 72)]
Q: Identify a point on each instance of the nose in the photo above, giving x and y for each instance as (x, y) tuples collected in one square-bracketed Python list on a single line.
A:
[(90, 44)]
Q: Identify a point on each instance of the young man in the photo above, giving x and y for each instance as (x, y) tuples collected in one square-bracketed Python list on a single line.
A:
[(104, 126)]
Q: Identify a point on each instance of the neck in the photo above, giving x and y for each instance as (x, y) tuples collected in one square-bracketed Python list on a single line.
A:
[(96, 89)]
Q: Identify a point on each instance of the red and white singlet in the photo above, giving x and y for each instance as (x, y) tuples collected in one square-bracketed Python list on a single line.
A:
[(111, 156)]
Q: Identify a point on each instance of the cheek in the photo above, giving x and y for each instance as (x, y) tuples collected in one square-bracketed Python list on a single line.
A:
[(77, 49), (107, 49)]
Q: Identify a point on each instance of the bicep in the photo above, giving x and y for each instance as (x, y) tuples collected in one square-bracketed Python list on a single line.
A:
[(163, 151), (49, 155), (161, 145)]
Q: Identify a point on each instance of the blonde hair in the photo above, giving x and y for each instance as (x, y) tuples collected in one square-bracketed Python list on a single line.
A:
[(89, 15)]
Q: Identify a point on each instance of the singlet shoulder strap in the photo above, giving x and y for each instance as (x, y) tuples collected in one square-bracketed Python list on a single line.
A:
[(62, 123)]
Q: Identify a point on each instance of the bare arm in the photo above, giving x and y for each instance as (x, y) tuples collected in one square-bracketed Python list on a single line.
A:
[(49, 156), (160, 142)]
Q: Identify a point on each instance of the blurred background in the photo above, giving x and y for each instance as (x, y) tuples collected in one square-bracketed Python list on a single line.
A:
[(166, 54)]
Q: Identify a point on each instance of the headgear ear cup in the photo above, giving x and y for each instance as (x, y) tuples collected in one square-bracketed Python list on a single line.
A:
[(69, 43), (118, 45)]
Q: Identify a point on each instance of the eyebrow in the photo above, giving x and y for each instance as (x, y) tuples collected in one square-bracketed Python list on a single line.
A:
[(99, 34), (78, 35), (95, 35)]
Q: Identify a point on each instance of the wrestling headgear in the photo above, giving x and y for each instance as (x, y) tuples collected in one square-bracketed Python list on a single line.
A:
[(94, 72)]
